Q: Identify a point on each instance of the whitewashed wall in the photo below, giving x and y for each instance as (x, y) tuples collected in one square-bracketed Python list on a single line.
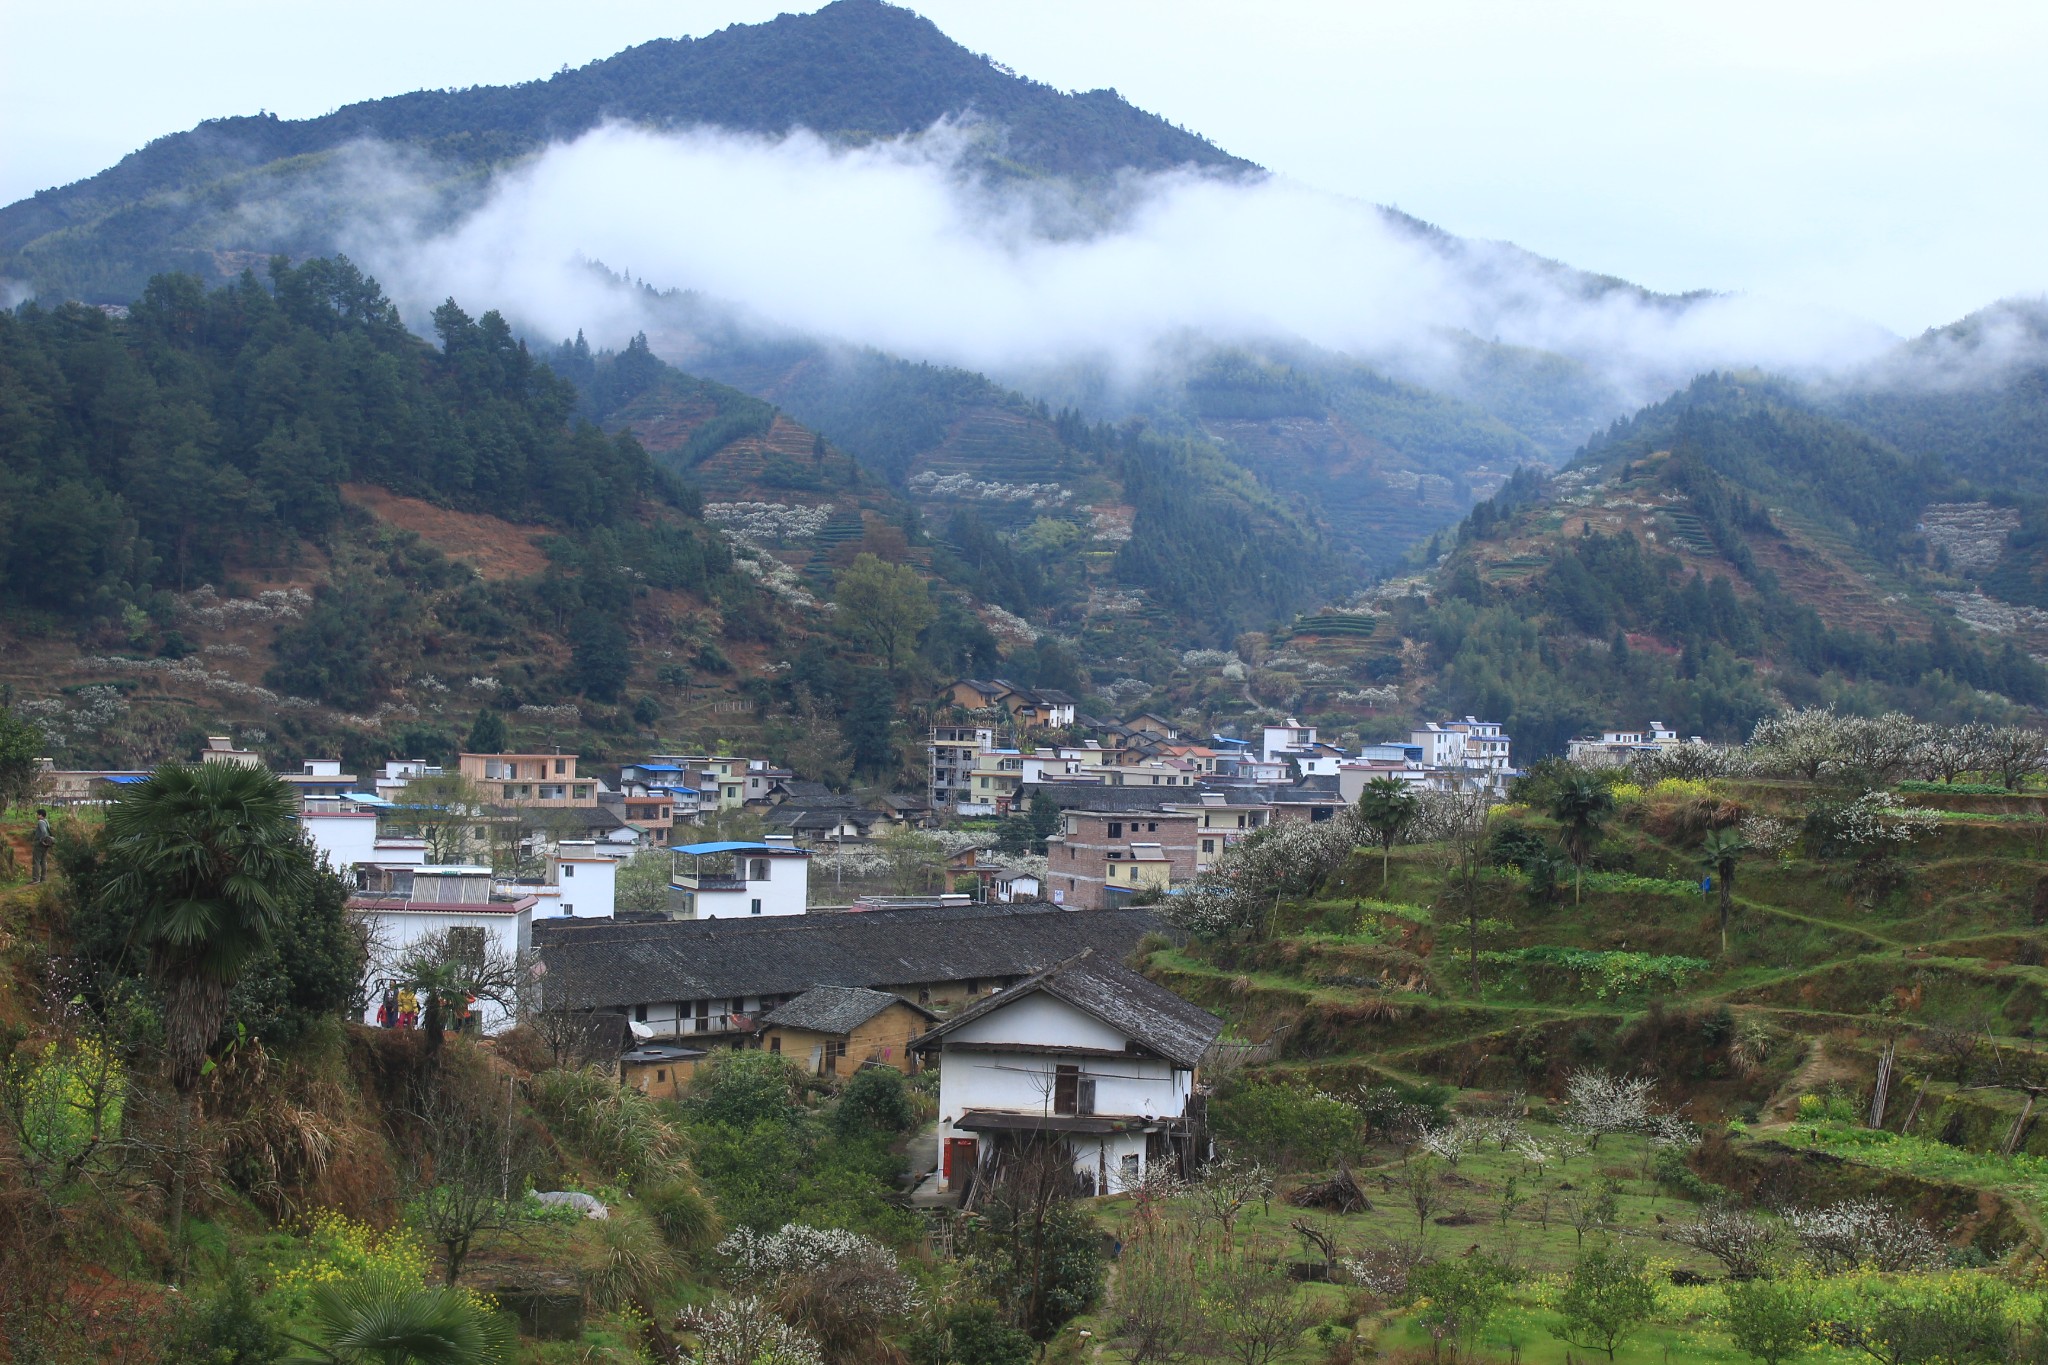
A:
[(394, 930)]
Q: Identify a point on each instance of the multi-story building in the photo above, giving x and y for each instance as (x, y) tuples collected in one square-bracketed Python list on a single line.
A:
[(221, 749), (950, 753), (319, 780), (1099, 856), (993, 782), (1222, 819), (548, 780), (740, 878)]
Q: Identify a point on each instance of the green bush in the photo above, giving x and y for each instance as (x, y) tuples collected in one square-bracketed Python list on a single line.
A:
[(1280, 1126), (615, 1127), (686, 1218), (876, 1100)]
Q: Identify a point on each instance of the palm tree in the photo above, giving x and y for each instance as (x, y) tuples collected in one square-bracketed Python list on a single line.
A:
[(1387, 807), (199, 859), (366, 1323), (1581, 806), (1720, 853)]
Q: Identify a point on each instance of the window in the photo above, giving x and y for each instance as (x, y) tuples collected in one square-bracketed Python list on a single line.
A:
[(640, 1013), (973, 985), (1240, 822), (1128, 1168), (835, 1048), (1208, 845), (756, 909), (583, 793), (775, 1044), (1116, 829), (568, 869), (757, 869), (560, 767), (1066, 1090), (661, 1074), (1151, 826)]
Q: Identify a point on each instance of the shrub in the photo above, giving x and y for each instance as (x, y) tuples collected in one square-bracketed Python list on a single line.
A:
[(876, 1100), (684, 1215), (615, 1126), (1277, 1125)]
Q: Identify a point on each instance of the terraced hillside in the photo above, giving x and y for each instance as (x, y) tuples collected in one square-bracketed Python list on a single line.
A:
[(1874, 1028)]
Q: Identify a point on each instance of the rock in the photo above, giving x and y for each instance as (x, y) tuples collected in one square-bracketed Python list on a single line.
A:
[(575, 1199)]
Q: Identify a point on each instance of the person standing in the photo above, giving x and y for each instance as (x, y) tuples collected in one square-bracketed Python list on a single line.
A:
[(40, 842), (408, 1007)]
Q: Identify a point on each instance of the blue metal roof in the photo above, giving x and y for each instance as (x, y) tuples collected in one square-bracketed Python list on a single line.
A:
[(654, 767), (124, 779), (368, 799), (738, 846)]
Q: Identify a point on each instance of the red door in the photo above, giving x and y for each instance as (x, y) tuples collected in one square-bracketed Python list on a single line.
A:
[(963, 1150)]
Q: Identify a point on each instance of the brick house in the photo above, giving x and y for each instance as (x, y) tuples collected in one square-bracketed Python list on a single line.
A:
[(1100, 856)]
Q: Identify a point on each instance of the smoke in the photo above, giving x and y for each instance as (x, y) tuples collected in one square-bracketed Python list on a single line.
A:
[(903, 244)]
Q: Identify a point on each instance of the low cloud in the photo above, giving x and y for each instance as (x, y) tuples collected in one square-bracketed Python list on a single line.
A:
[(896, 244)]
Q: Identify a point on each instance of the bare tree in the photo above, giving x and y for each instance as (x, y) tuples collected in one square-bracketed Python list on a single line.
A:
[(1423, 1185), (1253, 1312), (1226, 1188), (1592, 1210), (1157, 1309), (1458, 819), (467, 1157)]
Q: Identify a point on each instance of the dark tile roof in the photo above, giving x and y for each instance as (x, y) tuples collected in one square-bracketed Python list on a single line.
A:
[(600, 965), (1086, 796), (1143, 1011), (835, 1009), (562, 817)]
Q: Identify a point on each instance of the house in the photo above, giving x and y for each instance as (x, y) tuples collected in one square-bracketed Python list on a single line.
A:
[(739, 878), (649, 809), (764, 782), (582, 883), (1221, 820), (1098, 857), (1028, 708), (534, 780), (949, 756), (461, 900), (993, 782), (221, 749), (1277, 741), (1085, 1056), (81, 786), (1614, 748), (836, 1030), (706, 981), (1010, 887), (1313, 799), (659, 1071), (399, 771)]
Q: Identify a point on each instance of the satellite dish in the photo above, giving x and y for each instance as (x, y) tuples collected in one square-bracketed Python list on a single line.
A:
[(638, 1029)]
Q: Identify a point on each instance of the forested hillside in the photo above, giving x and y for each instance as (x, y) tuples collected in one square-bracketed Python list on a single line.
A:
[(856, 69), (1715, 556)]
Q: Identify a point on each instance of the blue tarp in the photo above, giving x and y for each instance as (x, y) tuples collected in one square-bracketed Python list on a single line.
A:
[(124, 779), (739, 847)]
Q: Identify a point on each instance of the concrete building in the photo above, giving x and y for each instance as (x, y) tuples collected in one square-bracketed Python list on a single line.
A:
[(423, 901), (542, 780), (734, 879), (1087, 1058)]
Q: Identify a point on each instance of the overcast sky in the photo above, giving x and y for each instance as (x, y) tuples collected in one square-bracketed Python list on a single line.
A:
[(1884, 159)]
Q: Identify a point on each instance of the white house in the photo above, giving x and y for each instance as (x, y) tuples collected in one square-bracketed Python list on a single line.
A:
[(1278, 740), (425, 901), (734, 878), (344, 829), (582, 881), (1087, 1056)]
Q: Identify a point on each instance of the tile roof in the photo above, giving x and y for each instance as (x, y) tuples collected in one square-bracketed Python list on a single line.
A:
[(835, 1009), (1142, 1011), (600, 965)]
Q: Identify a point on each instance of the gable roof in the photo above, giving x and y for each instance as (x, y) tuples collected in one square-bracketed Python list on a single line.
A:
[(1143, 1011), (835, 1009), (600, 965)]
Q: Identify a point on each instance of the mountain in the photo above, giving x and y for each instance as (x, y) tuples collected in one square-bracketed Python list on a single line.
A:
[(1734, 549), (854, 70)]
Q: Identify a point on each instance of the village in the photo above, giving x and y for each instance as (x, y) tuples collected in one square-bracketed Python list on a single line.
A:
[(738, 940)]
